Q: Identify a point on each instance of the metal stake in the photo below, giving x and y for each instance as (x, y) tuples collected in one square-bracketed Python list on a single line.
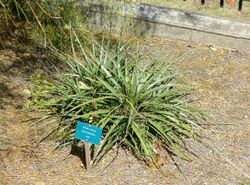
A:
[(240, 5), (221, 3)]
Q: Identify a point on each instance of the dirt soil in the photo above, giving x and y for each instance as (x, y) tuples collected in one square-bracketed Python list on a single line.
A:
[(221, 81)]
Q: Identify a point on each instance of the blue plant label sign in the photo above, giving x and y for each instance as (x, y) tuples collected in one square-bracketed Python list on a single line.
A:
[(88, 133)]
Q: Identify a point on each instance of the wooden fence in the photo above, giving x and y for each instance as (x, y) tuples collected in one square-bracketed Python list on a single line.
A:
[(240, 3)]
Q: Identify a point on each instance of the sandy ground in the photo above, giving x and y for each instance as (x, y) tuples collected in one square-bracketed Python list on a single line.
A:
[(221, 81)]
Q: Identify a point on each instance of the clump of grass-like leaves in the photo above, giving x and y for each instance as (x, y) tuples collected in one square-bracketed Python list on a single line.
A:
[(46, 22), (135, 106)]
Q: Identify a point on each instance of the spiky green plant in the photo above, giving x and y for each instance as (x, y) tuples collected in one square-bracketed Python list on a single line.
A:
[(135, 106)]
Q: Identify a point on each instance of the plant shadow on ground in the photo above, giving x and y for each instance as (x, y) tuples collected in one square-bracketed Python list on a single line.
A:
[(18, 64), (77, 149), (27, 61), (5, 93)]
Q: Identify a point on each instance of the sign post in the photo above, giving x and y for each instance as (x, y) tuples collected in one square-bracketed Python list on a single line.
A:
[(87, 155), (90, 135)]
